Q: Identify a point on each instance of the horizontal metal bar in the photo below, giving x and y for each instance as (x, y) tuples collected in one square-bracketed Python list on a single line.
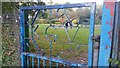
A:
[(57, 6), (53, 59)]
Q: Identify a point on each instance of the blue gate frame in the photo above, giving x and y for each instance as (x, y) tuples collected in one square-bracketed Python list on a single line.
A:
[(24, 34)]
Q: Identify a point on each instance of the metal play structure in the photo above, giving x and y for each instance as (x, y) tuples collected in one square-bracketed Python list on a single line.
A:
[(107, 45)]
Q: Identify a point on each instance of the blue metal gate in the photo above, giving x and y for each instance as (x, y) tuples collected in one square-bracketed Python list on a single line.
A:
[(24, 37)]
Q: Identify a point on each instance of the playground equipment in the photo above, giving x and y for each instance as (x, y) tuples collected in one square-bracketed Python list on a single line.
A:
[(108, 37)]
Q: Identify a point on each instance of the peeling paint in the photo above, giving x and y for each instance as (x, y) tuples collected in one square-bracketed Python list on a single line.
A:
[(110, 37), (111, 24), (107, 22), (110, 32), (106, 33), (107, 46), (109, 5)]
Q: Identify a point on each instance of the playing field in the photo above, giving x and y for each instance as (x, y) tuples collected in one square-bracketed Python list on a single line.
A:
[(74, 51)]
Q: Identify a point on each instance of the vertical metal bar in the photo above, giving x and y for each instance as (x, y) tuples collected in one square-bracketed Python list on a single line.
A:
[(91, 43), (28, 64), (38, 62), (57, 65), (24, 32), (44, 64), (22, 61), (26, 26), (106, 33), (50, 48), (22, 41), (64, 66), (32, 62), (50, 64), (1, 21), (73, 66)]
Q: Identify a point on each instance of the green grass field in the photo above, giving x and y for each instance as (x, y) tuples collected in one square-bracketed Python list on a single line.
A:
[(71, 51)]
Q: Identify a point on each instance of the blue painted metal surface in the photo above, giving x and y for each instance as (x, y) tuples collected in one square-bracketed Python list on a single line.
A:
[(53, 59), (36, 14), (50, 64), (28, 62), (33, 62), (106, 33), (57, 6), (90, 45), (38, 62), (38, 56), (22, 34), (57, 65)]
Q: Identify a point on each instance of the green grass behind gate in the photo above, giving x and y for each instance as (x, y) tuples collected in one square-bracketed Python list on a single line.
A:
[(62, 45)]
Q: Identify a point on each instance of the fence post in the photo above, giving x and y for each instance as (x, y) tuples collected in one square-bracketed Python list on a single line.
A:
[(24, 33), (106, 39)]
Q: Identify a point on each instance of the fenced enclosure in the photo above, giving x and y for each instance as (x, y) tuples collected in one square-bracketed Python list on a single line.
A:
[(59, 47)]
